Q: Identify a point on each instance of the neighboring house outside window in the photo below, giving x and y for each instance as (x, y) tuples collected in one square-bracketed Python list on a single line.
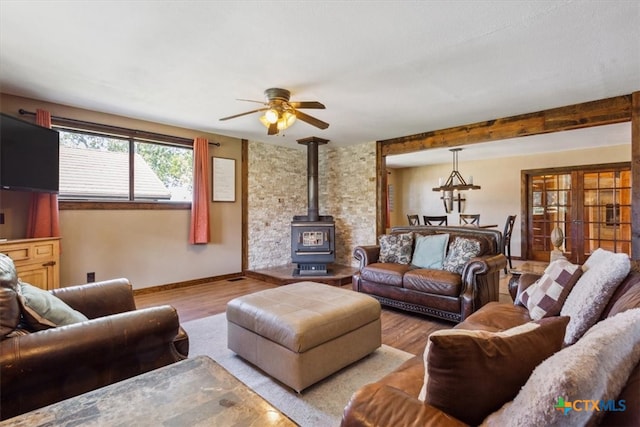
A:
[(107, 168)]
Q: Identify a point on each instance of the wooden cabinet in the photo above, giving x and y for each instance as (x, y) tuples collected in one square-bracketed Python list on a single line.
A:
[(37, 261)]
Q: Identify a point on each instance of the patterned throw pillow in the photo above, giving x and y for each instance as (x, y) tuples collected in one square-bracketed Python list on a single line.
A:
[(546, 296), (460, 252), (396, 248)]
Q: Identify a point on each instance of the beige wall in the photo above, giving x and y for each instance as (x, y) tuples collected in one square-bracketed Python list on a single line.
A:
[(500, 182), (149, 247)]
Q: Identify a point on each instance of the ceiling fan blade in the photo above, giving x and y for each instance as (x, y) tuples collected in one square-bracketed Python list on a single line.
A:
[(251, 100), (243, 114), (311, 120), (308, 104), (273, 129)]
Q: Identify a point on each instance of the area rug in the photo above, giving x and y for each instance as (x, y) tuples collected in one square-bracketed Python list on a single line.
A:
[(321, 404)]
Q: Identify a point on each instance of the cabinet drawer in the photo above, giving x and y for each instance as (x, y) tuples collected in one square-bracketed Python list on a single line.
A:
[(30, 252), (18, 253), (43, 250)]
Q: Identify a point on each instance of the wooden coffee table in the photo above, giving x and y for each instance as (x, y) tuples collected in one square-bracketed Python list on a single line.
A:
[(193, 392)]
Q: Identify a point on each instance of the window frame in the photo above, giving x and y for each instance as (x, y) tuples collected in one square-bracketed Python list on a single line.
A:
[(132, 136)]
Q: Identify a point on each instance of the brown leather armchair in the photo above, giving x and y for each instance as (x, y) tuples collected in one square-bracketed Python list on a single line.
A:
[(117, 342)]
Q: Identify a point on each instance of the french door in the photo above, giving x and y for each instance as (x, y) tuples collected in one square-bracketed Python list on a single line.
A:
[(591, 205)]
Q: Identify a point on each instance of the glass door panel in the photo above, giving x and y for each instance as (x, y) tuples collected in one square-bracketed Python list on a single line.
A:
[(550, 208), (601, 218), (607, 211)]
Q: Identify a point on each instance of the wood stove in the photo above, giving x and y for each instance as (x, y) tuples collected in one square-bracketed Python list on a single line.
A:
[(312, 235)]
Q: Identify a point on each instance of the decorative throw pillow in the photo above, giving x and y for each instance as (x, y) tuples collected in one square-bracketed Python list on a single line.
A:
[(602, 273), (42, 310), (9, 311), (396, 248), (460, 252), (9, 307), (430, 251), (8, 275), (547, 295), (596, 368), (473, 373)]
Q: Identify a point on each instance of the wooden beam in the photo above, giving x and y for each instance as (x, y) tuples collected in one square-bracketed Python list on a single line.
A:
[(381, 192), (588, 114), (635, 176)]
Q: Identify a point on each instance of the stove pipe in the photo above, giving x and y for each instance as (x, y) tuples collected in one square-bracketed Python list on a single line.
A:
[(312, 175)]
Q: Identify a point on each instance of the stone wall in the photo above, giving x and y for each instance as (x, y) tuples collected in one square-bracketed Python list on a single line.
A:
[(277, 186), (349, 194)]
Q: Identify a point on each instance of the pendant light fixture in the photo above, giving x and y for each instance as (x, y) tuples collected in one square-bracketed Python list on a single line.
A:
[(453, 185)]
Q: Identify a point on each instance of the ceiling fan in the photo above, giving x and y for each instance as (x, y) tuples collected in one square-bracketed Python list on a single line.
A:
[(280, 113)]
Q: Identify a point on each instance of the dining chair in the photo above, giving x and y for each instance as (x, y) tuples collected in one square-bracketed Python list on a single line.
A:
[(506, 240), (470, 219), (413, 219), (435, 220)]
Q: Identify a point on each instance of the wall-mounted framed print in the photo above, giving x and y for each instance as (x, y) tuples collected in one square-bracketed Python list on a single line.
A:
[(223, 178)]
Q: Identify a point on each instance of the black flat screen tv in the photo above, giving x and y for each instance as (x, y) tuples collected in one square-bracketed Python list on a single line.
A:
[(29, 156)]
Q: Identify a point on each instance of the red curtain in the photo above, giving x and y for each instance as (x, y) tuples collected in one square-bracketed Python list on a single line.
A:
[(199, 230), (43, 220)]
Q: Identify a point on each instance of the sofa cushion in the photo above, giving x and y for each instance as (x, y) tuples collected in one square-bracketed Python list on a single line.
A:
[(439, 282), (546, 297), (595, 368), (460, 252), (471, 374), (396, 248), (430, 251), (42, 310), (496, 316), (382, 272), (603, 272)]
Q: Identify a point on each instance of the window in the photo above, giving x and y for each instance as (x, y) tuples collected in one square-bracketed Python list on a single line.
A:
[(98, 167)]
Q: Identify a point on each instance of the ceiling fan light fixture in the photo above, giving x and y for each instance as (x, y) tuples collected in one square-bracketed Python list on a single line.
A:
[(289, 117), (280, 114), (272, 115)]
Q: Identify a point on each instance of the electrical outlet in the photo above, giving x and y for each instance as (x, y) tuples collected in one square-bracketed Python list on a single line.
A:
[(91, 277)]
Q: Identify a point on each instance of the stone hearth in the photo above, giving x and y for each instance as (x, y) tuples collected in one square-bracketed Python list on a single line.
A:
[(339, 275)]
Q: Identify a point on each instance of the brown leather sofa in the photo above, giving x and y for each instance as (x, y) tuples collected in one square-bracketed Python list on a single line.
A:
[(437, 293), (117, 342), (393, 399)]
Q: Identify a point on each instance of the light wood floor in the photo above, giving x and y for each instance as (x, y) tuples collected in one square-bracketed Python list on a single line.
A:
[(401, 330)]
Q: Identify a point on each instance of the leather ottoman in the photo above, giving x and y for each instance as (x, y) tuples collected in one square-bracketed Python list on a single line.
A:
[(303, 332)]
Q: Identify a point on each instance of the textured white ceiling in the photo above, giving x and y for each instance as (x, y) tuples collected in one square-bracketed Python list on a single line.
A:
[(384, 69)]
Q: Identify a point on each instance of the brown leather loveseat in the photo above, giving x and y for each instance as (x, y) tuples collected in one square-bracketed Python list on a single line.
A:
[(435, 292), (118, 341)]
